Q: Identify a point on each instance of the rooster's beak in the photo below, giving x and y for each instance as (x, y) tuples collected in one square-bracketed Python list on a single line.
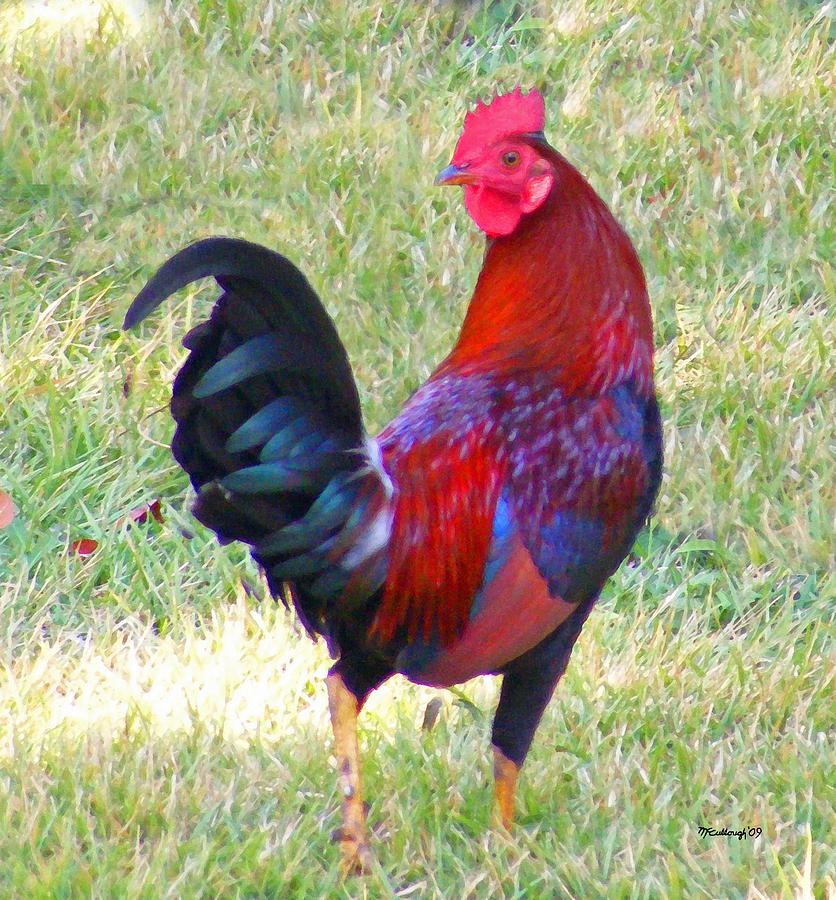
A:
[(455, 175)]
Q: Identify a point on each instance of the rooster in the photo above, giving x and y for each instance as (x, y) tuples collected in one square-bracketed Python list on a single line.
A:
[(473, 535)]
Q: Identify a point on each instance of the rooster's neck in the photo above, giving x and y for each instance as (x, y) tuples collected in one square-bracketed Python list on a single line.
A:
[(564, 293)]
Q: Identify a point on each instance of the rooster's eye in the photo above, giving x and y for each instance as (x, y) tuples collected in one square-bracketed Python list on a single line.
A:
[(511, 158)]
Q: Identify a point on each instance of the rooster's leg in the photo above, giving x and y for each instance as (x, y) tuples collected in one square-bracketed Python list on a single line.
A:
[(356, 854), (521, 704), (527, 686)]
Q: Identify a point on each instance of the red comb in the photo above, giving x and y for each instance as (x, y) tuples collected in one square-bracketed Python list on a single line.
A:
[(506, 114)]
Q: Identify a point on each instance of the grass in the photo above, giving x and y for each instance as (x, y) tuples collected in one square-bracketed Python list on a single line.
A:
[(164, 729)]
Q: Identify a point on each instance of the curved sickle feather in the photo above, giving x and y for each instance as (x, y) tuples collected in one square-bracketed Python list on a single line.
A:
[(219, 257)]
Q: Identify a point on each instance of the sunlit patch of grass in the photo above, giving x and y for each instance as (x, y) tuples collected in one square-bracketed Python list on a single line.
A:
[(32, 26), (164, 731)]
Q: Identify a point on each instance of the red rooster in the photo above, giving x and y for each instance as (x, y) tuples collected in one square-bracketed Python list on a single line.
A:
[(474, 534)]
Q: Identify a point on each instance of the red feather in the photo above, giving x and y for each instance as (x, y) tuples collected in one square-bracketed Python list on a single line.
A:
[(584, 316), (516, 610), (444, 503)]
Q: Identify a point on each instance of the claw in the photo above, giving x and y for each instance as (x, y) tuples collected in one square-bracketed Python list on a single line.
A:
[(356, 857)]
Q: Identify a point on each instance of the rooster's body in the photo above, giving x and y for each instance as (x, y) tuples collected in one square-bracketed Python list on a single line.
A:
[(474, 534)]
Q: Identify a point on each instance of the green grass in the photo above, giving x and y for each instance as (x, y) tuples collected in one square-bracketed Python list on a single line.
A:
[(164, 729)]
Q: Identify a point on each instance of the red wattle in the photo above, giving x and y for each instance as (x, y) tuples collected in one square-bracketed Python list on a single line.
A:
[(495, 213)]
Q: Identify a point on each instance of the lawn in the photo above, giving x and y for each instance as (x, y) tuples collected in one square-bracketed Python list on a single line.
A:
[(163, 723)]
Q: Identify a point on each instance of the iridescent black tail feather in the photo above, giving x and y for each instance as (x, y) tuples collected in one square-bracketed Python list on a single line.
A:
[(269, 427)]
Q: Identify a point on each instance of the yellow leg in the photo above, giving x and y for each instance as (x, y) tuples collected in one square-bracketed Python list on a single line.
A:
[(504, 785), (356, 854)]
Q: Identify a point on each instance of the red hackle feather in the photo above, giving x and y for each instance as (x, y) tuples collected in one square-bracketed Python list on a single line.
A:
[(444, 508), (564, 294)]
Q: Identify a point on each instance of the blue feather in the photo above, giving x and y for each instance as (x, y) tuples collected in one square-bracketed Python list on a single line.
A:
[(315, 443), (325, 514), (569, 553), (363, 581), (304, 565), (300, 475), (262, 425), (330, 584), (503, 530), (254, 357), (631, 410), (284, 442)]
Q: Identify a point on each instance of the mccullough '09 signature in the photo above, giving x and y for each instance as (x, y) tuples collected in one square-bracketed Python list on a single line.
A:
[(740, 834)]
